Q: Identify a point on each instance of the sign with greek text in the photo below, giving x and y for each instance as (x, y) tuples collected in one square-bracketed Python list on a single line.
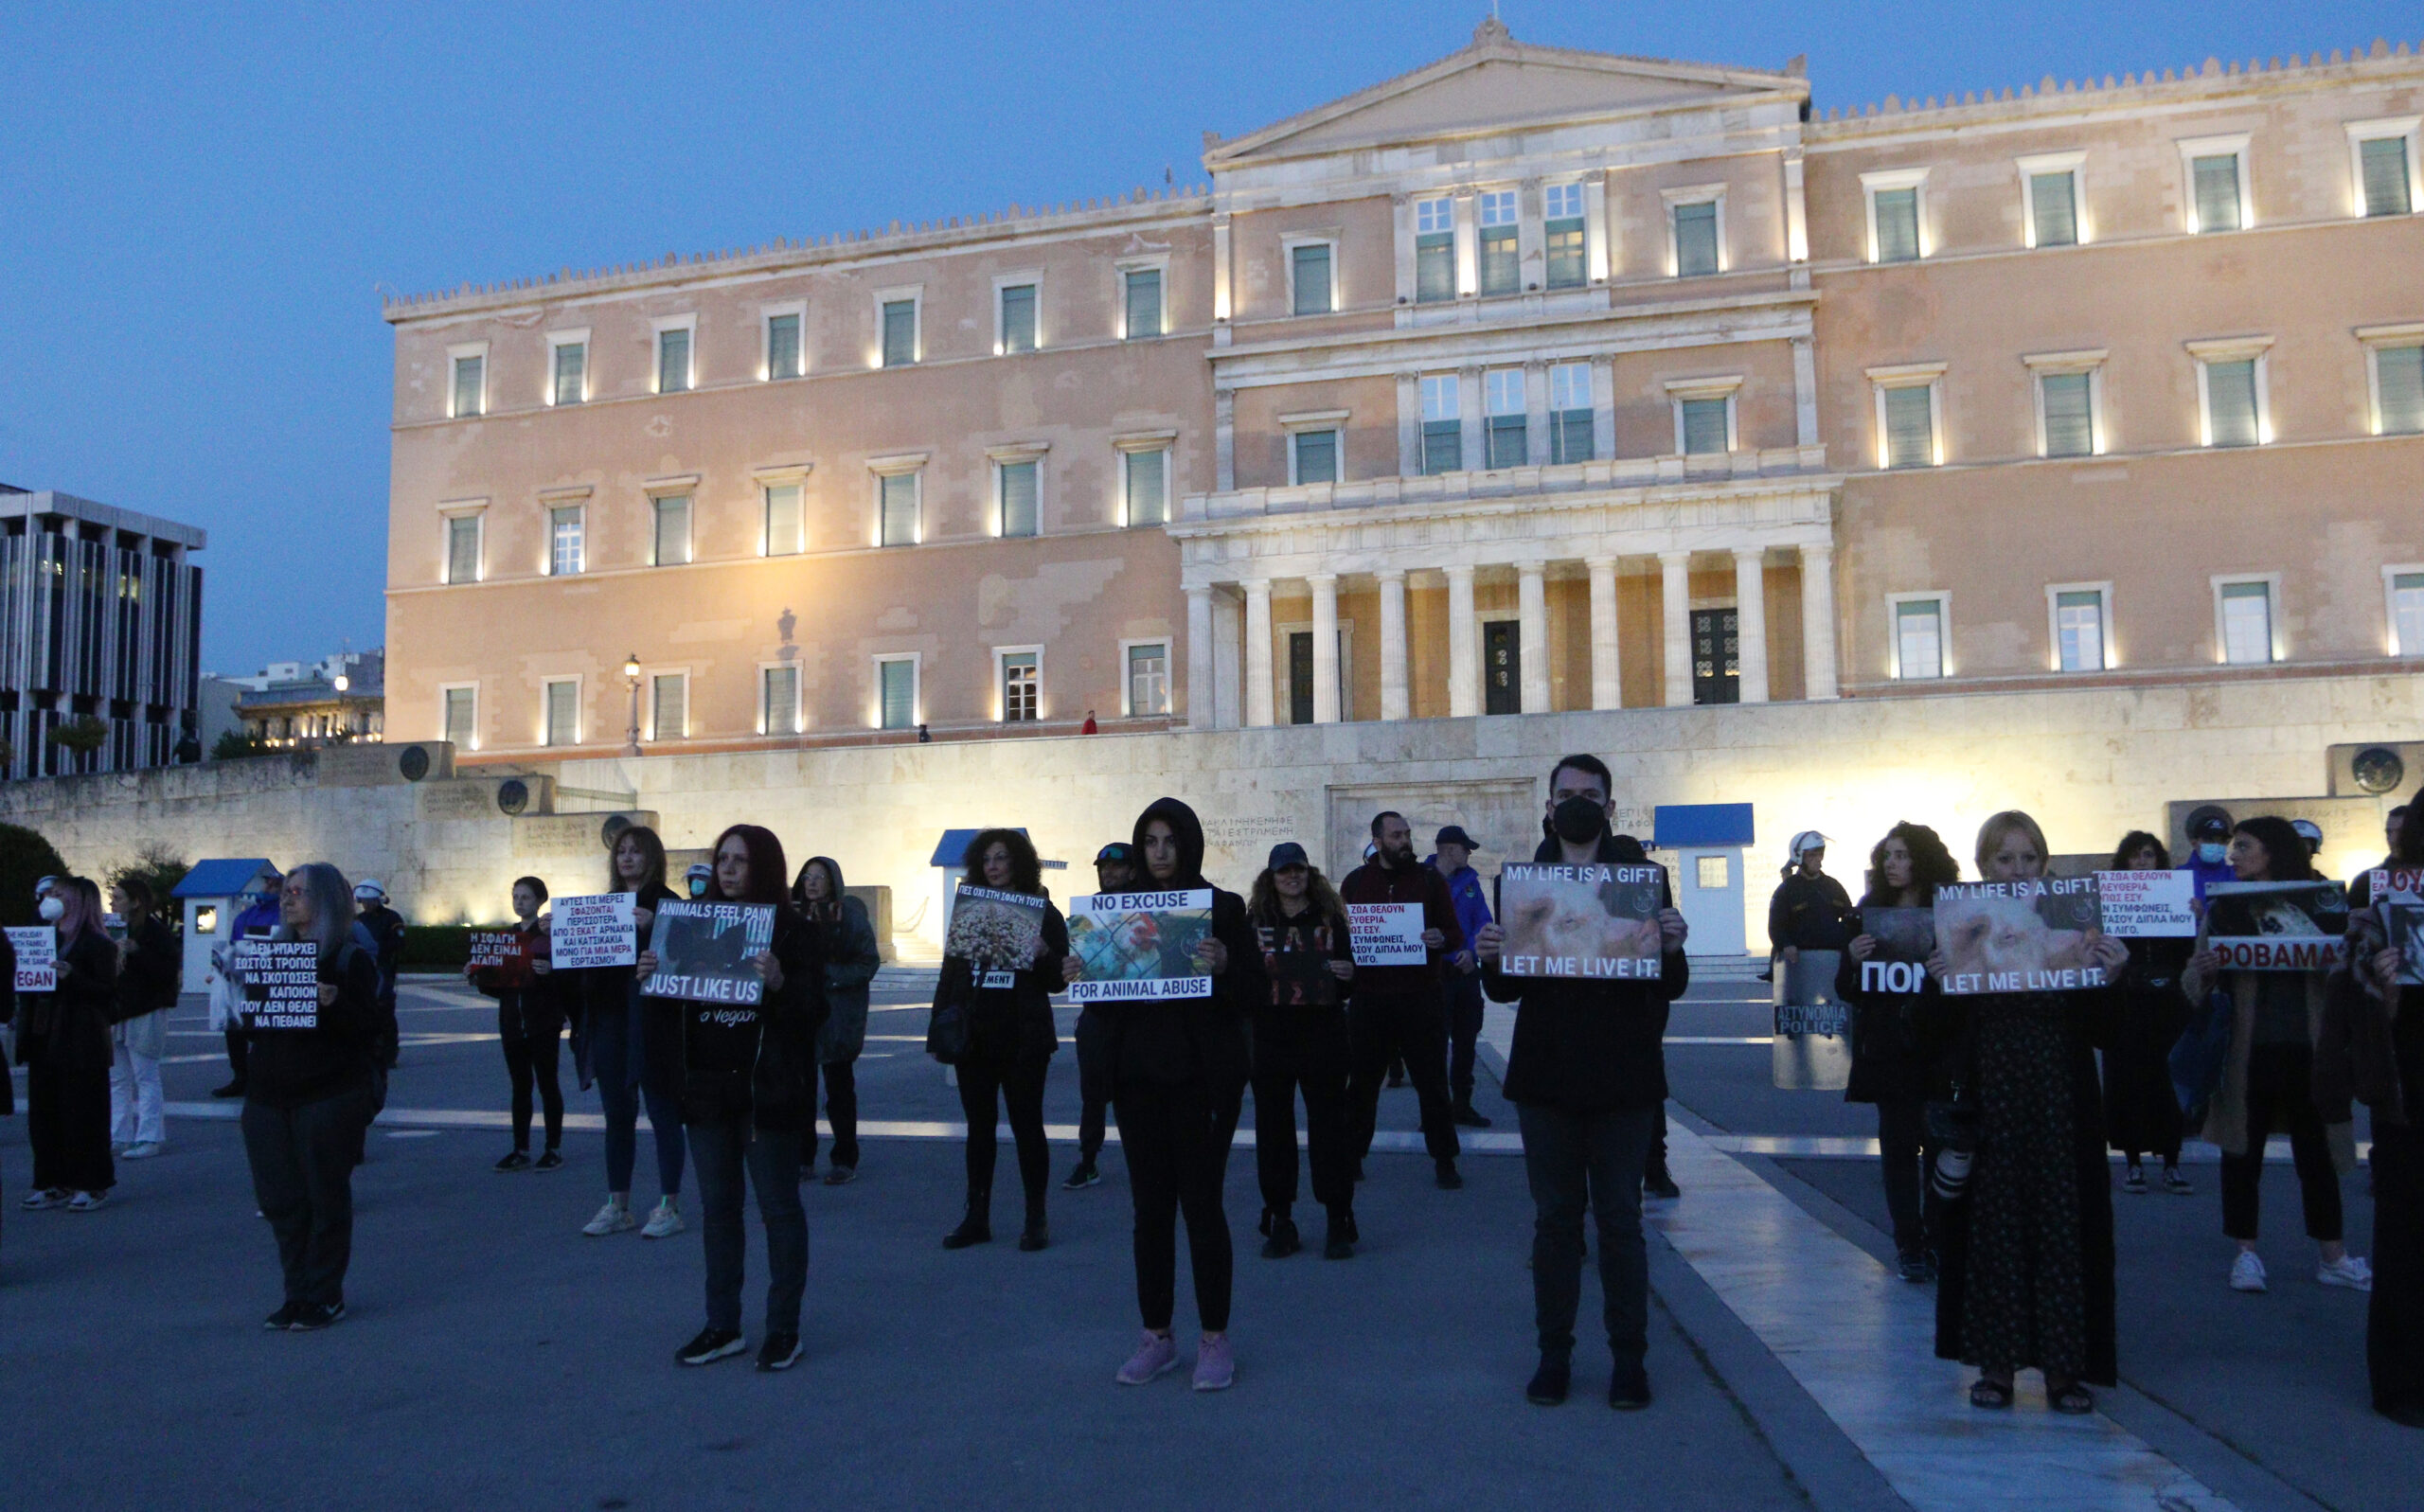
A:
[(2137, 905), (1595, 922), (598, 929), (281, 982), (1386, 933), (2276, 926), (1134, 947)]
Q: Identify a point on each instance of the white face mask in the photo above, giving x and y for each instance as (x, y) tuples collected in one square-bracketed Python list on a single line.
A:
[(2210, 852), (53, 909)]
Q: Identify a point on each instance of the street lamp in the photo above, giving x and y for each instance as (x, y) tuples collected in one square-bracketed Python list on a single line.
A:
[(340, 683), (631, 676)]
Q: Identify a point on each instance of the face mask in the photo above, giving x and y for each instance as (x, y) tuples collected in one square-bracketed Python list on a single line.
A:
[(698, 887), (1579, 820), (53, 909), (2210, 852)]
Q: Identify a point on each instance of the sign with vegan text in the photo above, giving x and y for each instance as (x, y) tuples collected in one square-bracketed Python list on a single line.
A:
[(37, 948), (707, 952), (1597, 922), (595, 929), (2018, 936), (1386, 933), (281, 982), (2276, 926), (2139, 906), (1139, 946)]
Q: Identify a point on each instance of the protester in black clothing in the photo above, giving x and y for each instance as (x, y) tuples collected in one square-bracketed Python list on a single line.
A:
[(1587, 1077), (1403, 1011), (1115, 868), (631, 1046), (2141, 1109), (851, 961), (1010, 1039), (386, 928), (747, 1099), (1898, 1036), (64, 1038), (258, 917), (2360, 887), (1301, 1040), (1180, 1068), (307, 1098), (529, 1021)]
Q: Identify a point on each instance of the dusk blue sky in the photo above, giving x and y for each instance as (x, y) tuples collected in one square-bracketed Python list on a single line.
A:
[(198, 205)]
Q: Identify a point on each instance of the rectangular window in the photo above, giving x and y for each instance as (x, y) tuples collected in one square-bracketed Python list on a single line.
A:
[(786, 527), (1563, 224), (1142, 288), (2399, 388), (1502, 391), (1309, 266), (2231, 413), (572, 372), (899, 332), (469, 386), (2247, 623), (673, 359), (2053, 206), (1500, 269), (1696, 239), (463, 548), (1706, 425), (1919, 638), (1018, 317), (1018, 686), (1898, 224), (1146, 480), (1570, 426), (2070, 413), (1315, 458), (462, 716), (672, 540), (897, 694), (1910, 426), (2216, 183), (2381, 165), (1017, 499), (2407, 612), (564, 555), (896, 501), (564, 714), (1148, 679), (1443, 433), (778, 700), (1434, 251), (2078, 630), (669, 706), (1714, 872), (782, 346)]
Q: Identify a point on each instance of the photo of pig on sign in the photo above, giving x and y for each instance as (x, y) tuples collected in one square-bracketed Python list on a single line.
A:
[(1386, 933), (1587, 921), (2276, 926), (2039, 936)]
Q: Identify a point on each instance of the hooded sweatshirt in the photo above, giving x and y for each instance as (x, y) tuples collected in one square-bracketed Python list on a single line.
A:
[(851, 961), (1190, 1039)]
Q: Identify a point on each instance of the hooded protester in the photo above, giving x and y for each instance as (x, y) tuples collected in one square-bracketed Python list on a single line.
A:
[(1588, 1077), (1179, 1068), (2141, 1109), (851, 961), (631, 1046), (1451, 857), (64, 1038), (1301, 1040), (1403, 1011), (1114, 869)]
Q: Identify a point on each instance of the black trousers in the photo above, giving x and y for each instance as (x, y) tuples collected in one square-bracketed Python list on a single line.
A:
[(1306, 1049), (531, 1057), (238, 1055), (1176, 1140), (728, 1156), (1902, 1138), (1414, 1026), (2280, 1096), (302, 1160), (1575, 1160), (1094, 1084), (985, 1087), (2395, 1319), (840, 1111), (1464, 1034), (67, 1122)]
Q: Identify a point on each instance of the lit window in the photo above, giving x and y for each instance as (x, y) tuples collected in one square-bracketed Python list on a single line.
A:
[(1309, 272), (469, 386), (786, 527), (2247, 623), (463, 548), (2399, 390), (672, 534), (1909, 412), (462, 716), (1707, 424), (564, 714), (1500, 265), (1570, 422), (2078, 630), (1149, 679), (1714, 873), (778, 700), (1315, 457), (897, 503), (1696, 250), (2385, 178), (2233, 408), (2070, 413), (1897, 229), (2054, 209), (572, 372), (1502, 392), (673, 359), (1562, 226), (1919, 638), (1018, 686), (1443, 444), (782, 345), (669, 705), (899, 332), (1142, 289), (2214, 182), (2407, 612), (1018, 317), (1434, 251), (897, 693), (565, 557), (1017, 481), (1145, 478)]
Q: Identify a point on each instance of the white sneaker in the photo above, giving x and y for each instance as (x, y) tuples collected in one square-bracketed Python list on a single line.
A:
[(95, 1202), (615, 1217), (2247, 1272), (665, 1223), (144, 1149), (2348, 1270)]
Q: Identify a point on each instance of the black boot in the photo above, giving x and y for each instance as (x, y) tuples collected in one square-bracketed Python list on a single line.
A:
[(977, 1227), (1550, 1382), (1343, 1235), (1035, 1235), (1658, 1184), (1465, 1115), (1283, 1240)]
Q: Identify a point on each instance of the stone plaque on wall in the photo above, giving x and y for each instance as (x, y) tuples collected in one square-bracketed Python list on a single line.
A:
[(1502, 814), (570, 836), (464, 798)]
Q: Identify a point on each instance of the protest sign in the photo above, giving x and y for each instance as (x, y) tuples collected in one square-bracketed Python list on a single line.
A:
[(37, 948), (2276, 926), (2020, 936), (2139, 906), (1593, 921), (998, 934), (707, 952), (1905, 937), (593, 930), (1132, 946), (1386, 933), (281, 982), (505, 952), (1296, 962), (2404, 882), (2404, 920)]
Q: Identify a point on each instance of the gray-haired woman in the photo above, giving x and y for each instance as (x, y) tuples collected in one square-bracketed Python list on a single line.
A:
[(306, 1100)]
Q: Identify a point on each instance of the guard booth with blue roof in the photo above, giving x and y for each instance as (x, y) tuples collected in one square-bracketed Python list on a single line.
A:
[(213, 894), (1707, 841)]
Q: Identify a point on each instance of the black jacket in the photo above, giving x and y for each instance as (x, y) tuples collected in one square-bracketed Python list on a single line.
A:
[(1012, 1023), (1809, 913), (287, 1068), (603, 990), (69, 1030), (1589, 1046), (148, 970), (1373, 882), (1189, 1041), (386, 928), (1901, 1041), (759, 1064)]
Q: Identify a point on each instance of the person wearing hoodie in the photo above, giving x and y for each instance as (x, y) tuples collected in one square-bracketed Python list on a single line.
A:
[(1588, 1077), (1403, 1011), (64, 1038), (630, 1047), (747, 1101), (1115, 868), (851, 961), (1179, 1069), (1451, 858)]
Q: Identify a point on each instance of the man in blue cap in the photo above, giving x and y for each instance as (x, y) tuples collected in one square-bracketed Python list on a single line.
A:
[(1451, 858)]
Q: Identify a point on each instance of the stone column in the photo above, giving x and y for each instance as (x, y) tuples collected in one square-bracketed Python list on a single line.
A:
[(1675, 594), (1397, 696), (1805, 392), (1464, 647), (1607, 672), (1409, 425), (1818, 621), (1228, 644), (1750, 621), (1257, 651), (1472, 428), (1325, 586), (1225, 445), (1202, 702), (1532, 633), (1535, 414)]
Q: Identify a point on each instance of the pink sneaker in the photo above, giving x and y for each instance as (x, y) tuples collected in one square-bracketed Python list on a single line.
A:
[(1154, 1357), (1216, 1363)]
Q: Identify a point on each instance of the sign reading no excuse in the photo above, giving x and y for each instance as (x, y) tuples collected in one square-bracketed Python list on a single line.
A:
[(1587, 921)]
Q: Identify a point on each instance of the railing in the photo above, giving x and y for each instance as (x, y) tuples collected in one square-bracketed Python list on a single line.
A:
[(1458, 488)]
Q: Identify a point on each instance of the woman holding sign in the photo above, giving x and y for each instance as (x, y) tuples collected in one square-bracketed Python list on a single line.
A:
[(1005, 947), (631, 1044), (64, 1038), (530, 1022), (1301, 1040)]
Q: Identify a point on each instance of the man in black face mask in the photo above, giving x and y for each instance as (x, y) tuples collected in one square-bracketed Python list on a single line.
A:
[(1588, 1079), (1403, 1009)]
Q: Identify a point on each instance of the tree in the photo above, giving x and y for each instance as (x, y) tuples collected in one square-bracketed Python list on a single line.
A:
[(234, 745), (81, 737), (26, 858), (160, 866)]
